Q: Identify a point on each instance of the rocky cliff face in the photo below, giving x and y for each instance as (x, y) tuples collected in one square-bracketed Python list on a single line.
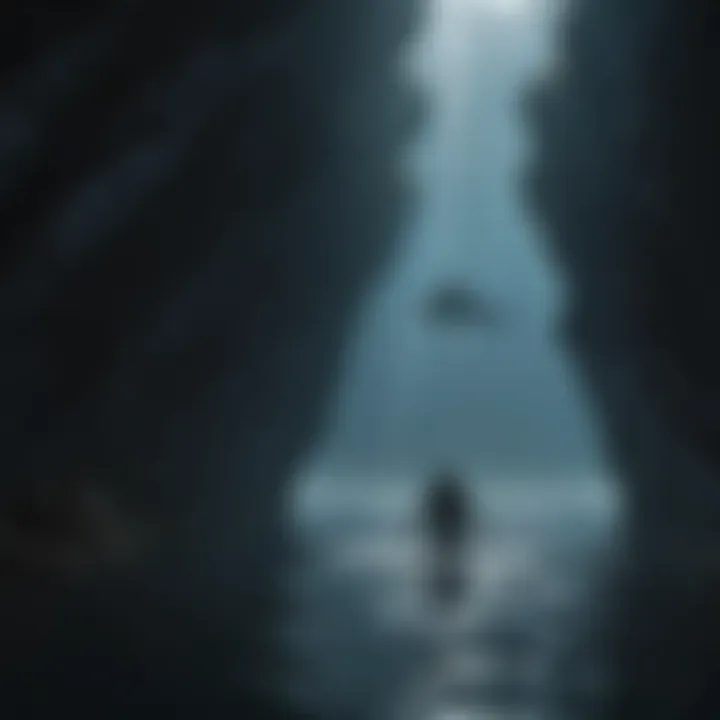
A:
[(191, 203), (624, 181)]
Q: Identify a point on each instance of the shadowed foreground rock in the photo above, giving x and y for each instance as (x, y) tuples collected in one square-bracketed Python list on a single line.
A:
[(191, 203), (626, 181)]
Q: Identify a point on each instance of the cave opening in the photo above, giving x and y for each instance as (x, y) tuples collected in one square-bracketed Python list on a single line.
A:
[(490, 394), (204, 241)]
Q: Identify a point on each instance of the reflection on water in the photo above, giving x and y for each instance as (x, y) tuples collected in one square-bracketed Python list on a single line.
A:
[(364, 623)]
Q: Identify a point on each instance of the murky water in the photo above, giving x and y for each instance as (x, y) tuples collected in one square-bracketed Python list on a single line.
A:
[(371, 646)]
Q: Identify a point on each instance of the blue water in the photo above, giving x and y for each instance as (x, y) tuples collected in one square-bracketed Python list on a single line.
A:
[(369, 643)]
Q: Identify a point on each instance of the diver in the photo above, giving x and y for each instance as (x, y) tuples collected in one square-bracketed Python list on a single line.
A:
[(451, 529)]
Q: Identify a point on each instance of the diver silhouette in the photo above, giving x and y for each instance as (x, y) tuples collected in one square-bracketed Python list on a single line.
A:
[(450, 526)]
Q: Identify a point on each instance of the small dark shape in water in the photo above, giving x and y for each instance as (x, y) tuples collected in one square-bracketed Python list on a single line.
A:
[(459, 306)]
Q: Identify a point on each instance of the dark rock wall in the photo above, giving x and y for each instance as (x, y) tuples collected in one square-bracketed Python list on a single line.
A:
[(192, 200), (625, 184)]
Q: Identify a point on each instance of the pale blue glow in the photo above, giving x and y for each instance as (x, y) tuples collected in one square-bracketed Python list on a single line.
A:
[(497, 404)]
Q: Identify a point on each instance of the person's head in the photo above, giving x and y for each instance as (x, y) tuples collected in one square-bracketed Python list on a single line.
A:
[(448, 481)]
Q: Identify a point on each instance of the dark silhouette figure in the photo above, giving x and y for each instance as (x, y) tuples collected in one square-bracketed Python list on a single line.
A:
[(451, 526)]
